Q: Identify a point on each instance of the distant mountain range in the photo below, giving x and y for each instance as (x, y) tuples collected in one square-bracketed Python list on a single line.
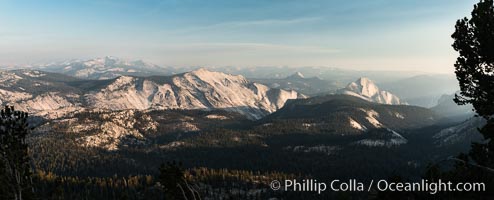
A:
[(300, 83), (414, 88), (423, 90), (106, 116), (110, 67), (206, 116), (55, 95), (104, 68), (139, 85), (117, 87)]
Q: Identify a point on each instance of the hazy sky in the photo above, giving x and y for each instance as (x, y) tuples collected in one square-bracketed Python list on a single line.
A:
[(357, 34)]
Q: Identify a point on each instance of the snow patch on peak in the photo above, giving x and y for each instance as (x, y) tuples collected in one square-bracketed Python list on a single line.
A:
[(114, 128), (371, 117), (212, 77), (7, 79), (399, 115), (357, 125), (365, 86), (12, 96), (217, 117), (120, 83), (389, 139), (33, 73)]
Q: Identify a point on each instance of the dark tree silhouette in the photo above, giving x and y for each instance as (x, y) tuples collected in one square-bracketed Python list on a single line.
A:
[(15, 170), (474, 68), (474, 40), (172, 177)]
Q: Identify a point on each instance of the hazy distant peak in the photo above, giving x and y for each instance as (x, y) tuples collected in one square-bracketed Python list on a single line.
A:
[(107, 67), (364, 86), (368, 90), (296, 75), (102, 60), (299, 75), (201, 70), (111, 58), (204, 72), (364, 80)]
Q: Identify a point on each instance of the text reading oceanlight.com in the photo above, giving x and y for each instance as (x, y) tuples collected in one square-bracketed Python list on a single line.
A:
[(352, 185)]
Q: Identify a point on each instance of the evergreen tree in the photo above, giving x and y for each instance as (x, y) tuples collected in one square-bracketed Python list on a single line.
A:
[(474, 68), (15, 170), (474, 40), (172, 177)]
